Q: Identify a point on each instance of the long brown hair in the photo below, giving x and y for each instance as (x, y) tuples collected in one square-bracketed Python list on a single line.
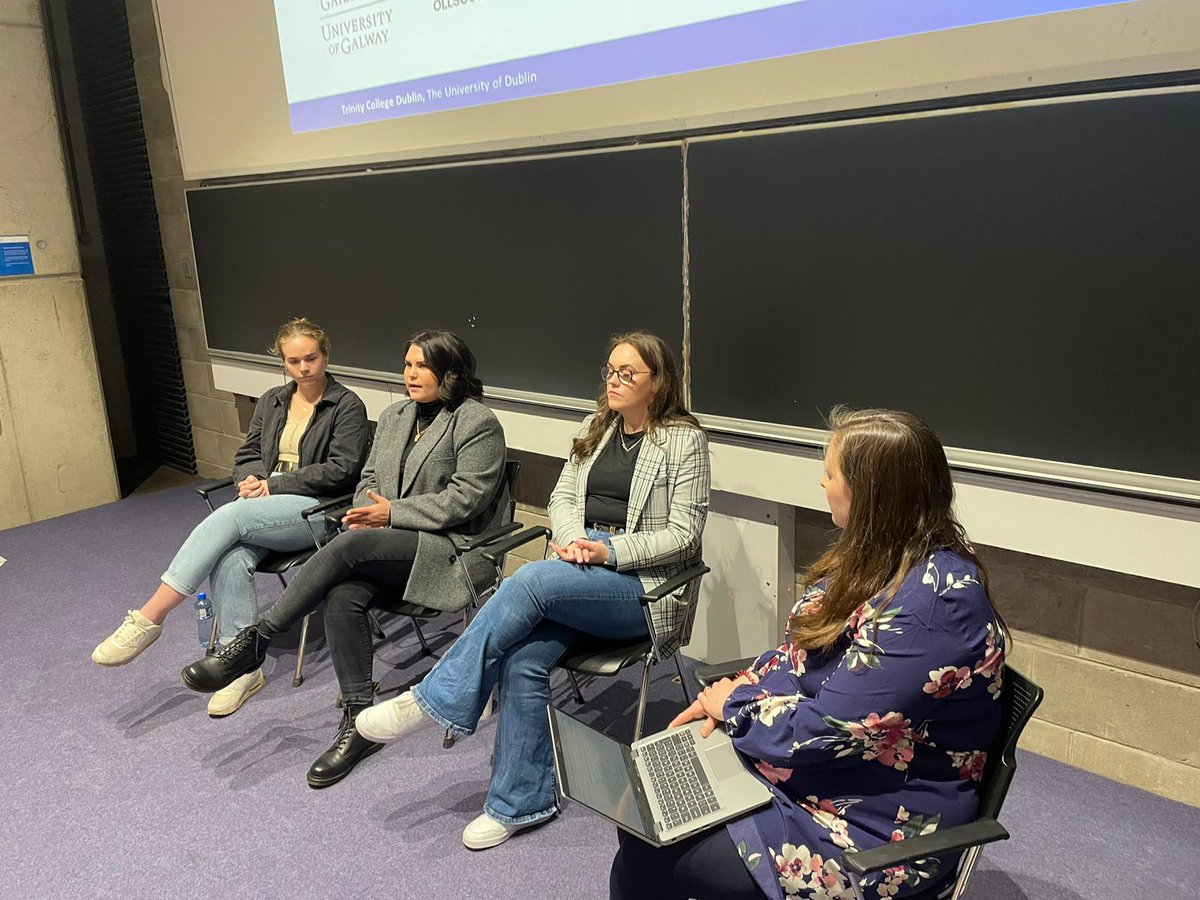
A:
[(667, 406), (901, 510)]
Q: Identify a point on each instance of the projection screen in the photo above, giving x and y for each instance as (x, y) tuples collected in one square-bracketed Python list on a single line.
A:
[(260, 87)]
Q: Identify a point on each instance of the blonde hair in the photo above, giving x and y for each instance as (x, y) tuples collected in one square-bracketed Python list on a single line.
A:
[(300, 327)]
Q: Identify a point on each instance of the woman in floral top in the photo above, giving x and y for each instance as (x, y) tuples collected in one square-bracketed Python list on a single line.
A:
[(871, 723)]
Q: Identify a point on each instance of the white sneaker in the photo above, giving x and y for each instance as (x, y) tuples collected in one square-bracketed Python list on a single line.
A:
[(135, 635), (229, 700), (484, 832), (393, 719)]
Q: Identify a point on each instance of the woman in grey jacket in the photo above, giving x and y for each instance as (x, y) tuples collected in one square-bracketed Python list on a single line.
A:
[(435, 473), (307, 442)]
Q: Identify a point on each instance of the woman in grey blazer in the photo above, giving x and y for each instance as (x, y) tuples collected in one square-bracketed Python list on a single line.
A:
[(435, 473), (627, 515)]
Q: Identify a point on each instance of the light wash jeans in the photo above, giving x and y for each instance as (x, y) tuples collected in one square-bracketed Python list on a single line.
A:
[(227, 547), (516, 639)]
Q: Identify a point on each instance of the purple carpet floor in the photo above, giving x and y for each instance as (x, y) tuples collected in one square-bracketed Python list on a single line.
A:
[(117, 784)]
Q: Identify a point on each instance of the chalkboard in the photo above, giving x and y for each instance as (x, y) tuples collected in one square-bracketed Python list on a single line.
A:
[(1027, 279), (534, 263)]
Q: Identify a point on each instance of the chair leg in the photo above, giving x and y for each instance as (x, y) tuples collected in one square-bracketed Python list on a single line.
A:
[(641, 710), (425, 650), (212, 637), (298, 679), (575, 687), (687, 697), (858, 894), (964, 872), (376, 628)]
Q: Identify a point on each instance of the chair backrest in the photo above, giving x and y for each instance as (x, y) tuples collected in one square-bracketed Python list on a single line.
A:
[(1020, 698), (512, 470)]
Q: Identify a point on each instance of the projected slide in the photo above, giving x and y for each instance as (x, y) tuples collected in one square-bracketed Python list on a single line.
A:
[(352, 61)]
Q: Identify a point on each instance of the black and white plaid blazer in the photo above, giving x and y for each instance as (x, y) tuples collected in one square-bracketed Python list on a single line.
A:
[(668, 505)]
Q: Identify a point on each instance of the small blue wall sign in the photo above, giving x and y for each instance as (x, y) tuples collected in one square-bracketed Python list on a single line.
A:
[(15, 256)]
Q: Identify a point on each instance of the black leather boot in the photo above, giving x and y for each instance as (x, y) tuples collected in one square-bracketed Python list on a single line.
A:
[(348, 748), (245, 653)]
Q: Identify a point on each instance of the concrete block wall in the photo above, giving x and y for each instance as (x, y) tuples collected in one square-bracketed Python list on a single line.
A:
[(55, 453), (216, 430)]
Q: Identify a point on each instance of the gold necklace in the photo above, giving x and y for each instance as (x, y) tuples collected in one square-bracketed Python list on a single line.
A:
[(418, 431)]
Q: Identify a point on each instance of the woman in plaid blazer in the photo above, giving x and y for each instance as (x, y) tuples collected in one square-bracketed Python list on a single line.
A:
[(627, 514)]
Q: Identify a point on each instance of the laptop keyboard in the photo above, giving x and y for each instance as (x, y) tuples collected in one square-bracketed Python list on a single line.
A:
[(680, 784)]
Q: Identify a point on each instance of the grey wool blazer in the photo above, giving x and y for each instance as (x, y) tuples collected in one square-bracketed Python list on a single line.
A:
[(668, 506), (453, 488)]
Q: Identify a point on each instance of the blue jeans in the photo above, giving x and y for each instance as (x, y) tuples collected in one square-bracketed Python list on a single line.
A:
[(227, 547), (516, 639)]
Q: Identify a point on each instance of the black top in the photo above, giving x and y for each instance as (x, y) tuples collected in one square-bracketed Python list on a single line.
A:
[(610, 478), (426, 413)]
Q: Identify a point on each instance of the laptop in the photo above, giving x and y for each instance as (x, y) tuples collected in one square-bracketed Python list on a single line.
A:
[(663, 788)]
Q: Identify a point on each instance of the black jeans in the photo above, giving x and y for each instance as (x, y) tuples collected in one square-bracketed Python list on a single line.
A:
[(703, 867), (348, 573)]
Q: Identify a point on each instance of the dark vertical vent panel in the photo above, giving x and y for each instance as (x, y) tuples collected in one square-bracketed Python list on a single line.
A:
[(129, 222)]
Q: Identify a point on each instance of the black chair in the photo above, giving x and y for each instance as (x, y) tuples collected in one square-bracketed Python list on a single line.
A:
[(1020, 698), (391, 600), (597, 656), (277, 563), (605, 657)]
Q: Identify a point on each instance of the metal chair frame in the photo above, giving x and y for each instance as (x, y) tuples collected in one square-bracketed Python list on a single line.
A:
[(606, 657), (491, 540)]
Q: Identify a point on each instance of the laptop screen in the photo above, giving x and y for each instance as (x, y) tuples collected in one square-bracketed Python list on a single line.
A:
[(595, 770)]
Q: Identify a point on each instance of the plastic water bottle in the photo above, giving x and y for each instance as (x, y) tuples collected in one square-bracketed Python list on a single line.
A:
[(203, 619)]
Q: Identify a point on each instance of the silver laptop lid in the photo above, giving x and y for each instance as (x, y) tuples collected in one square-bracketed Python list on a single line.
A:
[(599, 773)]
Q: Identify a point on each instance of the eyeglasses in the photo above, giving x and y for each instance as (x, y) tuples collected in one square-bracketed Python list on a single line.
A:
[(624, 375)]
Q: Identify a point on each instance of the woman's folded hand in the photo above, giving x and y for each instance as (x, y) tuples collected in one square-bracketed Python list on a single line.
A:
[(585, 553), (377, 515)]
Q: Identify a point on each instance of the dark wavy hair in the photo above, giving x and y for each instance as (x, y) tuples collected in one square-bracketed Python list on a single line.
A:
[(452, 361), (901, 510)]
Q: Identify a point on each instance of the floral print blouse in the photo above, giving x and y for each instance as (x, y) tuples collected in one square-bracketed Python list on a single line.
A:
[(881, 738)]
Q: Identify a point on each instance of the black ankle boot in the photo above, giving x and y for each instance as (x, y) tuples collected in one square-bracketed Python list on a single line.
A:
[(348, 748), (244, 654)]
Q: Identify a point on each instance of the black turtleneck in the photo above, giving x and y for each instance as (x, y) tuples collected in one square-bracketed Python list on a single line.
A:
[(426, 413)]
